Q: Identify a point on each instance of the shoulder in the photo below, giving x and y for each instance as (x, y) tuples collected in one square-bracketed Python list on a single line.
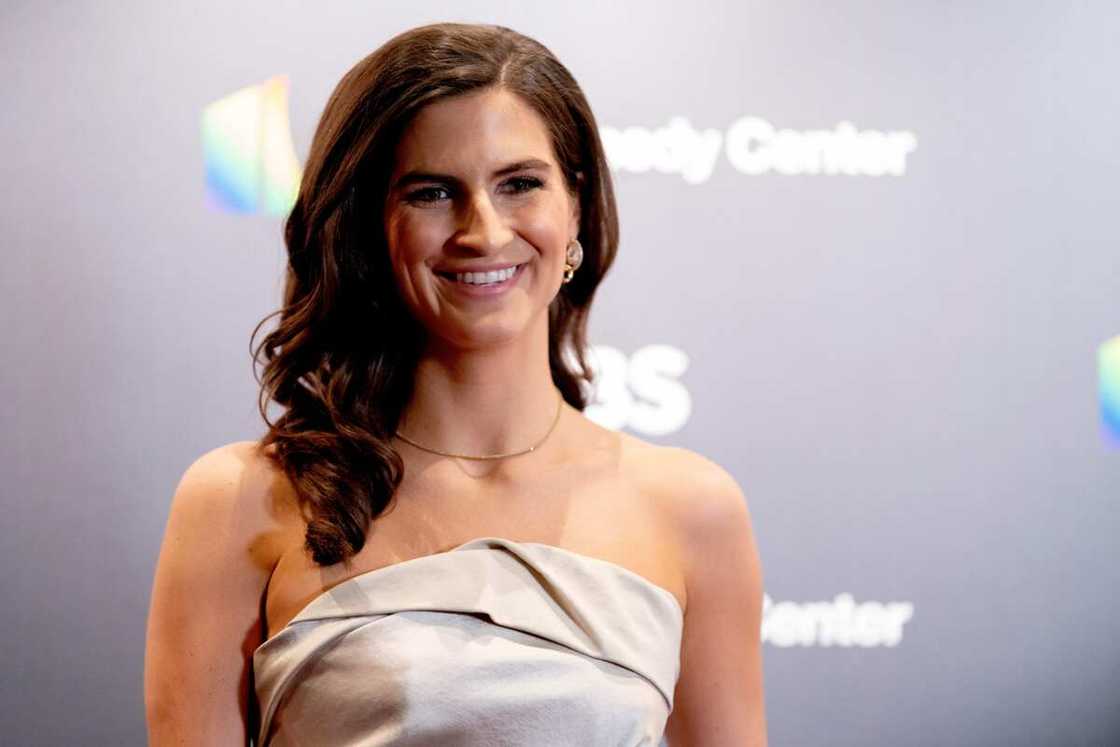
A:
[(237, 486), (227, 525), (223, 466), (698, 495), (719, 689), (701, 502), (221, 477)]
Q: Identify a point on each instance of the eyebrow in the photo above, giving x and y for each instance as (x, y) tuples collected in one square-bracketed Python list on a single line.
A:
[(426, 176)]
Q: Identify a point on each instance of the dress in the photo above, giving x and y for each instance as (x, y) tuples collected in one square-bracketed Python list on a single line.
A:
[(493, 643)]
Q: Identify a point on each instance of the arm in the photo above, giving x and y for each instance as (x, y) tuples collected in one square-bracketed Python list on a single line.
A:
[(718, 701), (204, 616)]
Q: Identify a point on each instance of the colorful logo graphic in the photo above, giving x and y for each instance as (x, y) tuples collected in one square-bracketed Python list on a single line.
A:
[(1108, 365), (251, 164)]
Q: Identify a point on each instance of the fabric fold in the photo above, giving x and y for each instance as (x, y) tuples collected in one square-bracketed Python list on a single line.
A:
[(493, 642)]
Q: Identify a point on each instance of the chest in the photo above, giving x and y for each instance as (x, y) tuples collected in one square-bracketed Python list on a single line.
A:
[(602, 513)]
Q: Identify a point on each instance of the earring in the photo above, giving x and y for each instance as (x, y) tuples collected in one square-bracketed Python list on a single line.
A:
[(574, 257)]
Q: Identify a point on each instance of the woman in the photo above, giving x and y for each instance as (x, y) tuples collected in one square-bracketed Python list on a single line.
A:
[(433, 545)]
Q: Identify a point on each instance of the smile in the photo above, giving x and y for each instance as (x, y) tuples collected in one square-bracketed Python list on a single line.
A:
[(483, 283)]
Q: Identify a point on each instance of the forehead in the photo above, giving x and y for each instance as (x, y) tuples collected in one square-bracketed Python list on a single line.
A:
[(472, 131)]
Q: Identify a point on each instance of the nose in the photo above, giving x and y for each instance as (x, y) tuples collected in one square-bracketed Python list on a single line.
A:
[(484, 228)]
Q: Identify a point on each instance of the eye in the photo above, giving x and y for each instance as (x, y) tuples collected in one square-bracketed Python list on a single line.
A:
[(525, 183), (425, 194), (520, 185)]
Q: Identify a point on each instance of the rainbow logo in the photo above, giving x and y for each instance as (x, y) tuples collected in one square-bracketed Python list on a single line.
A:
[(1108, 365), (251, 164)]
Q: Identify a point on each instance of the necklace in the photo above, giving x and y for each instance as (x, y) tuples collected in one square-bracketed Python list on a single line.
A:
[(555, 420)]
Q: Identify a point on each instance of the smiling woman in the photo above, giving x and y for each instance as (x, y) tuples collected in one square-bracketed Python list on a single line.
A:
[(457, 206), (432, 544)]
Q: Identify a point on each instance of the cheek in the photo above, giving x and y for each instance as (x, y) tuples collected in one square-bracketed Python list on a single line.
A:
[(410, 243), (546, 230), (413, 238)]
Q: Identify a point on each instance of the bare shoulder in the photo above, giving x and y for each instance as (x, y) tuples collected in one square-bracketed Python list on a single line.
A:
[(240, 482), (701, 504), (228, 522), (229, 519), (719, 694), (698, 495)]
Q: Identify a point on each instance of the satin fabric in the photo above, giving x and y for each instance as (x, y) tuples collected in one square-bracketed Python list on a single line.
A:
[(494, 642)]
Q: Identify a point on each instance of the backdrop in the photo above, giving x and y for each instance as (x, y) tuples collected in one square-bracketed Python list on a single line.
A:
[(869, 264)]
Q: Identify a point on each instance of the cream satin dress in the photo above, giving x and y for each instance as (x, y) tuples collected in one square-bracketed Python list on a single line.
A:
[(494, 643)]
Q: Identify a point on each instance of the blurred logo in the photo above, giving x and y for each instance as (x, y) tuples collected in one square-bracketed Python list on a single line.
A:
[(640, 392), (840, 622), (1108, 371), (754, 146), (251, 165)]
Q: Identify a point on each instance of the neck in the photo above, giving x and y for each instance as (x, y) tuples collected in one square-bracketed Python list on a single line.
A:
[(485, 400)]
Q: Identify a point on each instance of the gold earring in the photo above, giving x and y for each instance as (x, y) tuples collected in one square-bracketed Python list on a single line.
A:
[(574, 259)]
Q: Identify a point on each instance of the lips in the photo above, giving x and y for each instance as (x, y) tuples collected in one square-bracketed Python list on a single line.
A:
[(450, 274), (472, 290)]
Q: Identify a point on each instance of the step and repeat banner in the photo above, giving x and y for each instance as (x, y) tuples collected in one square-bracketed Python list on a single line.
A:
[(868, 263)]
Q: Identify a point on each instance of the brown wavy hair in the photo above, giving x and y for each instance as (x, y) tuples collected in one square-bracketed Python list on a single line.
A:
[(343, 355)]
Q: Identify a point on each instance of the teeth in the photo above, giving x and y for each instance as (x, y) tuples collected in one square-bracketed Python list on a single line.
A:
[(485, 278)]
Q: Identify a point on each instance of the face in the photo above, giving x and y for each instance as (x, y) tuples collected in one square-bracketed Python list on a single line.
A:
[(475, 185)]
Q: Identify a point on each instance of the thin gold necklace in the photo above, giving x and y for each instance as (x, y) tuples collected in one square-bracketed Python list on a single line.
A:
[(555, 420)]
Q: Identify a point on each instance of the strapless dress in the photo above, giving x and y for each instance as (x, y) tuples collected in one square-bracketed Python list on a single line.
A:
[(493, 643)]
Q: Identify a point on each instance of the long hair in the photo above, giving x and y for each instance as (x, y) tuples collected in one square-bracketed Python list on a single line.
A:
[(343, 355)]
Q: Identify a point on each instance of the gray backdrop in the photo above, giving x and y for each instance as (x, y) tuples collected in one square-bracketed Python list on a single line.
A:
[(896, 355)]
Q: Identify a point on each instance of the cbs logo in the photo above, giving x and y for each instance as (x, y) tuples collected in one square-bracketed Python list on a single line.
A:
[(642, 392)]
